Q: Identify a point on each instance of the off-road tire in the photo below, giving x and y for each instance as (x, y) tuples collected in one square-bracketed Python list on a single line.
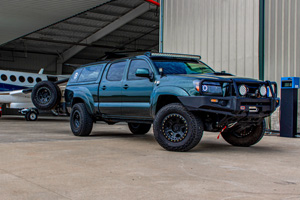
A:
[(186, 131), (31, 116), (81, 121), (247, 137), (45, 95), (138, 128)]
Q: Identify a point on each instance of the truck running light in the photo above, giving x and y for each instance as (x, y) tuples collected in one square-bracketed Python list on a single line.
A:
[(173, 55)]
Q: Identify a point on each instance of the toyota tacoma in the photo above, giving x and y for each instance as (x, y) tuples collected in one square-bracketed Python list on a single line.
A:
[(177, 93)]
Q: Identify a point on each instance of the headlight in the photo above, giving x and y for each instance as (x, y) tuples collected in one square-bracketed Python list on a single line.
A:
[(243, 90), (209, 88), (263, 90)]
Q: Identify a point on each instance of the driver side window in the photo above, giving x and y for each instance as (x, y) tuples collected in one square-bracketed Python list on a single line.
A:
[(134, 65)]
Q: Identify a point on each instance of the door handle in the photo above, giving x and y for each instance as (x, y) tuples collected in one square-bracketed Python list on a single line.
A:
[(103, 87), (125, 86)]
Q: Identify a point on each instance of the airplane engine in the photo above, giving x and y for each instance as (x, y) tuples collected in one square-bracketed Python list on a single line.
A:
[(45, 95)]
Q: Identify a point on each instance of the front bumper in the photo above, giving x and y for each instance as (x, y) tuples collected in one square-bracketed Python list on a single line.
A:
[(232, 106)]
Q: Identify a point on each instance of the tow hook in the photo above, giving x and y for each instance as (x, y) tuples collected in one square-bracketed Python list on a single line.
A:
[(225, 127)]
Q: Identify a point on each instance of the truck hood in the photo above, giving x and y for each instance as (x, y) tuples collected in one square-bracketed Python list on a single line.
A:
[(212, 77)]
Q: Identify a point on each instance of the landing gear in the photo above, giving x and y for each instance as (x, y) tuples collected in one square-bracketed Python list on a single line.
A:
[(31, 114)]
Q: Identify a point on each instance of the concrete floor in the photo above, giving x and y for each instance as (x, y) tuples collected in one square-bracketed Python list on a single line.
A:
[(43, 160)]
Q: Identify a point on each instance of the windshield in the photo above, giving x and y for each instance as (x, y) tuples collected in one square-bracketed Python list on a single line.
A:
[(182, 67)]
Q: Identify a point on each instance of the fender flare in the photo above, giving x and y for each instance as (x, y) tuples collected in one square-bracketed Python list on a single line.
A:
[(165, 90), (85, 95)]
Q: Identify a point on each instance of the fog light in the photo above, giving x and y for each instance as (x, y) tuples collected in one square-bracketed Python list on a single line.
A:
[(263, 90), (243, 90)]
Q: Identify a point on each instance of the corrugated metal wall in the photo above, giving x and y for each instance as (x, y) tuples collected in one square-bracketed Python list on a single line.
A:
[(223, 32), (282, 43), (282, 39)]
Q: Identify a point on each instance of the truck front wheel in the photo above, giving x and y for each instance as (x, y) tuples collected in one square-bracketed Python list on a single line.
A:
[(246, 137), (80, 120), (177, 129), (139, 129)]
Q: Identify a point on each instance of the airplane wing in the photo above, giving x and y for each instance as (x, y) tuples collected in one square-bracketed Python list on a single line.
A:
[(4, 93), (20, 93)]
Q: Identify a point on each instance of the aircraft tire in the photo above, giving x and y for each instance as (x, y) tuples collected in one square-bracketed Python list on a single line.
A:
[(31, 116), (45, 95)]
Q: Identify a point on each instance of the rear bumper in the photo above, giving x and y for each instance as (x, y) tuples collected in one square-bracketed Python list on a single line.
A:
[(232, 106)]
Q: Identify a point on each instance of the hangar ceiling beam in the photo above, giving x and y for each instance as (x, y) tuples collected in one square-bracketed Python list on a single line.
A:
[(143, 8)]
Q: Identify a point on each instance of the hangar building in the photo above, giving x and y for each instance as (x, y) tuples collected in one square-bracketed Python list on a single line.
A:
[(253, 38)]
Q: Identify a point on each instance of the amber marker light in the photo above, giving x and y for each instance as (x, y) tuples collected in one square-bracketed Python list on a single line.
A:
[(214, 100)]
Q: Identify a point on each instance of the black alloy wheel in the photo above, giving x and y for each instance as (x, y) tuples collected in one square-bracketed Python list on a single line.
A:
[(43, 95), (177, 129), (81, 121), (174, 127)]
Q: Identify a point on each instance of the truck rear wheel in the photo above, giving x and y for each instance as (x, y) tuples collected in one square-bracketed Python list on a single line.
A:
[(138, 128), (177, 129), (246, 137), (81, 121)]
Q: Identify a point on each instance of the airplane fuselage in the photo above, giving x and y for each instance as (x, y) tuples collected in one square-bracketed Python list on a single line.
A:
[(12, 80)]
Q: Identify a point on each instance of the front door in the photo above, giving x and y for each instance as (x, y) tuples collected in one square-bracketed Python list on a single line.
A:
[(136, 91)]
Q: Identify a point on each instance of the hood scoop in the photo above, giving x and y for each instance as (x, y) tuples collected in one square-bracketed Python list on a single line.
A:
[(222, 73)]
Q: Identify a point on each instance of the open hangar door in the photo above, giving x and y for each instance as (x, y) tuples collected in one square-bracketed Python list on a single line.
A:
[(113, 27)]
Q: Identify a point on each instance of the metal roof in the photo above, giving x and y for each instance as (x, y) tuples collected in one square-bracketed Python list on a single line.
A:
[(18, 18), (139, 34)]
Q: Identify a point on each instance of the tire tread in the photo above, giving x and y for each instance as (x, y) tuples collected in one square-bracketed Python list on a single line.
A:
[(196, 126)]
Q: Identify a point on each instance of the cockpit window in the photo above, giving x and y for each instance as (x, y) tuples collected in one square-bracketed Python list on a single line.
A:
[(182, 67)]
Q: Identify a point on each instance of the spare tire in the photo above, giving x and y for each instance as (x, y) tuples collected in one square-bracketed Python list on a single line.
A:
[(45, 95)]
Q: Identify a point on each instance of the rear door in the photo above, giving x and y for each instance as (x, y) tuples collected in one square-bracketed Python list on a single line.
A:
[(110, 89), (137, 91)]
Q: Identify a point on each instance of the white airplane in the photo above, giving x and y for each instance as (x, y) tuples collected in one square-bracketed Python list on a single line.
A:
[(16, 88)]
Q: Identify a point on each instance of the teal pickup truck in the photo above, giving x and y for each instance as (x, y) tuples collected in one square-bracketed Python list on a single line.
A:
[(179, 94)]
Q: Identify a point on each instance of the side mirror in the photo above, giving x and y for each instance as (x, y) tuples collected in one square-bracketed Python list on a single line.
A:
[(142, 72)]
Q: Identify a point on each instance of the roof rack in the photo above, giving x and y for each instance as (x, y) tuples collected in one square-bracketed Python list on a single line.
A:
[(173, 55)]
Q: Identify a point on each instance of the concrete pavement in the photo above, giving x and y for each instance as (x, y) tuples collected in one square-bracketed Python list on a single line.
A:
[(43, 160)]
